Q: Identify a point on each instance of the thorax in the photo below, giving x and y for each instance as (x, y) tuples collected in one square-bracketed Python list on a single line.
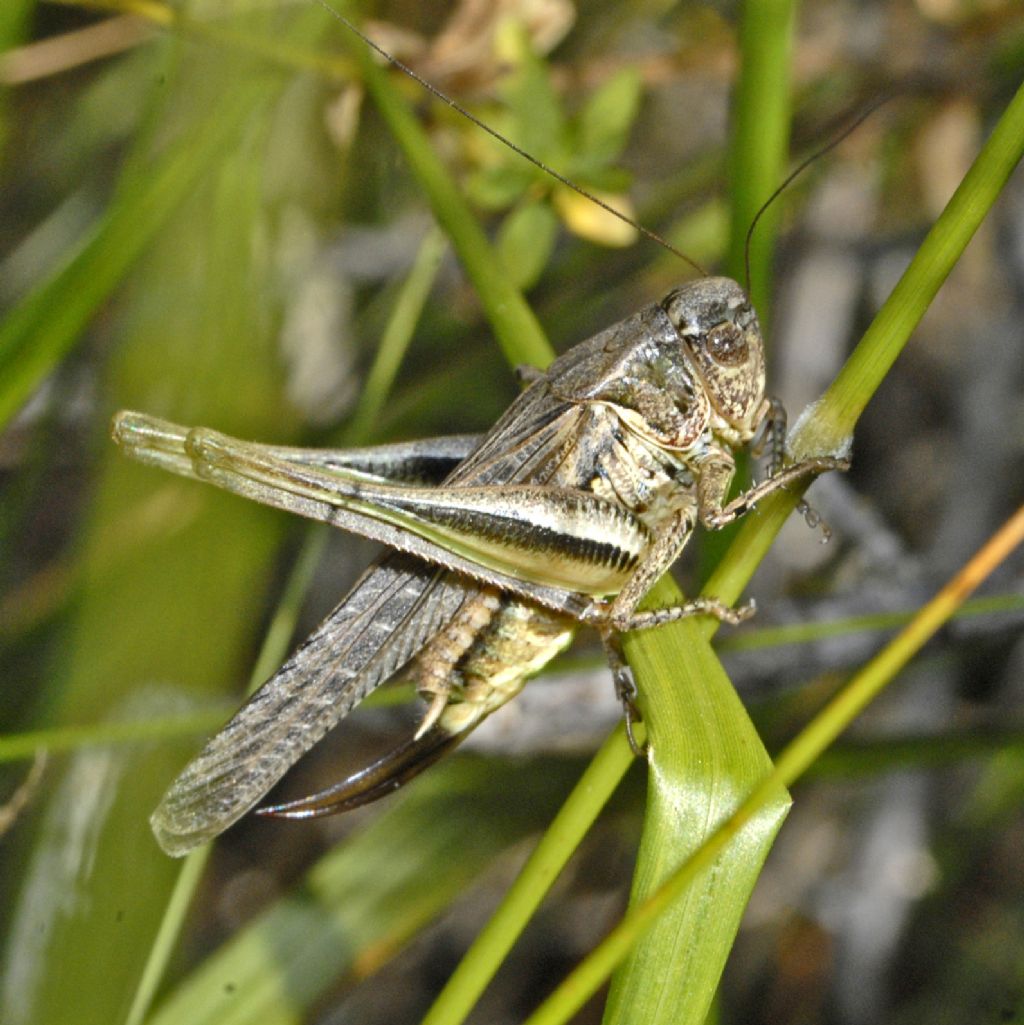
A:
[(633, 471)]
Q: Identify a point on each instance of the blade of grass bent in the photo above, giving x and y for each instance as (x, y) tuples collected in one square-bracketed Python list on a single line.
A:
[(704, 756)]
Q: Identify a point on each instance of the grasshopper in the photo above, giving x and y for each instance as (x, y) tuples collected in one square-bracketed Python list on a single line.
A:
[(565, 513)]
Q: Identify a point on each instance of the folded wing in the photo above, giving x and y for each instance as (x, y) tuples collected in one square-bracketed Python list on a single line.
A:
[(392, 611)]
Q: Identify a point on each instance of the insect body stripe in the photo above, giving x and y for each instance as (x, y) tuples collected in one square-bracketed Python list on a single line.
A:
[(521, 525)]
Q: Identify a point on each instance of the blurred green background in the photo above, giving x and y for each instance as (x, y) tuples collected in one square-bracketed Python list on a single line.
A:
[(202, 217)]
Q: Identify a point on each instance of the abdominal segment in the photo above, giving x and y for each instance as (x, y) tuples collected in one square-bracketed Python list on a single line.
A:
[(484, 656)]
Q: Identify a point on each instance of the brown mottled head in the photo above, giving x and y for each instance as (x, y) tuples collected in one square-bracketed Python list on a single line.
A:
[(718, 325)]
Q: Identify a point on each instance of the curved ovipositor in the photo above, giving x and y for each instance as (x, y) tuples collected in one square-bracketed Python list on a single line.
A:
[(378, 780)]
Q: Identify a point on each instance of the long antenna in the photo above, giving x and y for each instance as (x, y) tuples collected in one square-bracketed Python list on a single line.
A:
[(494, 133), (800, 168)]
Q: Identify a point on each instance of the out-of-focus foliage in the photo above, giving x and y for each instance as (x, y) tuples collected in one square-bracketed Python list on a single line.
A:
[(585, 149)]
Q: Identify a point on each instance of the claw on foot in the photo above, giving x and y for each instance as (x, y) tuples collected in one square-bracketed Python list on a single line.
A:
[(814, 520), (638, 748), (626, 692), (625, 688)]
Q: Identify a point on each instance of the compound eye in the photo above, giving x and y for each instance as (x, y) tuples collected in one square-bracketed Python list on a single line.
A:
[(727, 345)]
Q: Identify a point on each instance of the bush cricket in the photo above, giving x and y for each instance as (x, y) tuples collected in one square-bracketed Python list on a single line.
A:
[(565, 513)]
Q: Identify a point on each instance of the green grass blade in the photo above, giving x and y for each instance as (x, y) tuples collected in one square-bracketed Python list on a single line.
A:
[(548, 858), (705, 755), (759, 141), (40, 331), (394, 343)]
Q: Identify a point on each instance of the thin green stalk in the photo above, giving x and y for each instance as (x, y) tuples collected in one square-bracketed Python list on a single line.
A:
[(842, 405), (760, 140), (561, 839), (59, 739), (394, 343), (166, 938), (272, 653), (514, 323), (757, 159), (584, 981), (18, 747), (806, 633), (832, 424)]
